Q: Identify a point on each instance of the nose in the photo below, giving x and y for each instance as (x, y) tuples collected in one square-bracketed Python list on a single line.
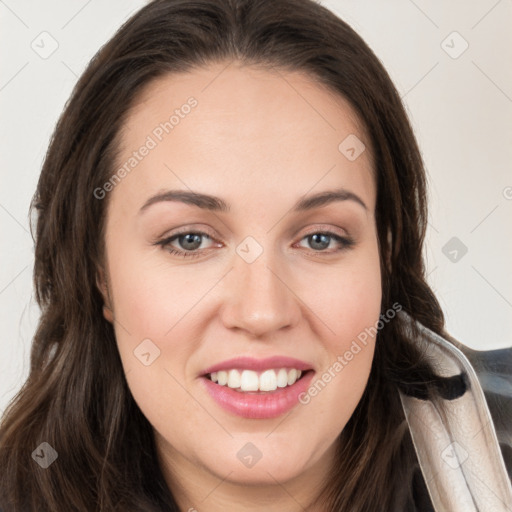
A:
[(260, 299)]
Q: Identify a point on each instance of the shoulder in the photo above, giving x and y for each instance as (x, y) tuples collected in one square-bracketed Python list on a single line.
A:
[(494, 371)]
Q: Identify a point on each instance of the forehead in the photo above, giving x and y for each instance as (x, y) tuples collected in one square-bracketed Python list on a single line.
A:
[(250, 130)]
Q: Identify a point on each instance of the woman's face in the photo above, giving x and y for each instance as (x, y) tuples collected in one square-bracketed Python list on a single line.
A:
[(271, 278)]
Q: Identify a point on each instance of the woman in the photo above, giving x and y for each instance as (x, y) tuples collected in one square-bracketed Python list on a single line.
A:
[(228, 260)]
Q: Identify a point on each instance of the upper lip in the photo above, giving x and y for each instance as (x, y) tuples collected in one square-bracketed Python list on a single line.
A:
[(250, 363)]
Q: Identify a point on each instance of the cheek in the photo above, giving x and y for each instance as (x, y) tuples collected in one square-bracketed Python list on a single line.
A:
[(150, 299), (152, 309), (347, 300), (349, 311)]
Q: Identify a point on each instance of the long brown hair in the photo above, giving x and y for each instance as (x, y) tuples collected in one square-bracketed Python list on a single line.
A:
[(76, 397)]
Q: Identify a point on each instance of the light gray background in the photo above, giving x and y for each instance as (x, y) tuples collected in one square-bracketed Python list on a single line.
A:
[(460, 104)]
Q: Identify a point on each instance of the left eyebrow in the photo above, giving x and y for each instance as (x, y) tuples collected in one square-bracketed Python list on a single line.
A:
[(324, 198), (204, 201), (213, 203)]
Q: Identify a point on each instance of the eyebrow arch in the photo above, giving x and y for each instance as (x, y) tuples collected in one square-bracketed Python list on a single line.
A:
[(216, 204)]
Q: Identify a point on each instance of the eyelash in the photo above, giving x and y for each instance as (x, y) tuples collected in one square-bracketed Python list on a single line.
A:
[(345, 242)]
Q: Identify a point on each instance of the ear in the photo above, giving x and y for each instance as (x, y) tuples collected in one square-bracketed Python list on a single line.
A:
[(102, 284)]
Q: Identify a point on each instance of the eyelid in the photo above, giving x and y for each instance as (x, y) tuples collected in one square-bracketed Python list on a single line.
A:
[(189, 228), (324, 228)]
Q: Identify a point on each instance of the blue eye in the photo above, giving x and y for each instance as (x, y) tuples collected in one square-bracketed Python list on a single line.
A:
[(321, 240), (191, 241)]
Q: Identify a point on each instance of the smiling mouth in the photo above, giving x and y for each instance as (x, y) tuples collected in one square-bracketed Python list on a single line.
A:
[(250, 381), (254, 389)]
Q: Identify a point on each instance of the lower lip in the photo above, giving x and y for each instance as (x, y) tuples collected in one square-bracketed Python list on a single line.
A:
[(251, 405)]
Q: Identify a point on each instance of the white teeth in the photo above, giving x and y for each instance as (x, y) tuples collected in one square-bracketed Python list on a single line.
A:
[(292, 376), (222, 377), (234, 379), (282, 378), (268, 381), (249, 380)]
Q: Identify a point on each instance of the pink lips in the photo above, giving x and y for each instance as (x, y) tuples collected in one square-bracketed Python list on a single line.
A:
[(258, 405), (259, 365)]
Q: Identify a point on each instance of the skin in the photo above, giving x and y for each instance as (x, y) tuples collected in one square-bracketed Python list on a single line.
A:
[(261, 140)]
